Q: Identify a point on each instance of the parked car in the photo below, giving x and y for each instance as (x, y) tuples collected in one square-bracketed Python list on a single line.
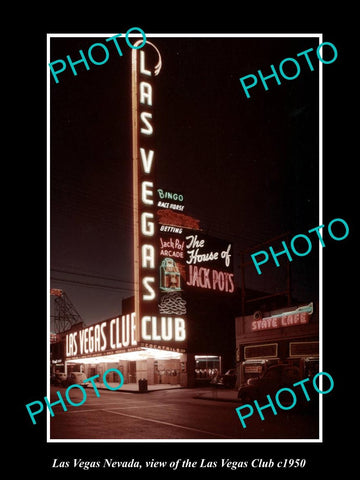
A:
[(78, 378), (58, 379), (228, 380), (272, 380)]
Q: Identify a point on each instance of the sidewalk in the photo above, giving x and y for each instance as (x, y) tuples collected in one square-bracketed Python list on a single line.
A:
[(210, 393), (134, 387)]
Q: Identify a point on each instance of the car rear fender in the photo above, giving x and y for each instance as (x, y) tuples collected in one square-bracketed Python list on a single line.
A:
[(247, 392)]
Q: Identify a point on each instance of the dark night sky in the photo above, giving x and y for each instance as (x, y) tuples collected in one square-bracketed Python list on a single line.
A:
[(248, 168)]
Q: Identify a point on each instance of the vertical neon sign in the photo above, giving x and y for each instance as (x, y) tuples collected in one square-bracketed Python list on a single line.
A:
[(145, 272)]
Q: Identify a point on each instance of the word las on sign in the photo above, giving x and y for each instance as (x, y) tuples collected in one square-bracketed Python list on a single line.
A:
[(265, 256), (70, 401), (290, 72), (284, 404), (98, 54)]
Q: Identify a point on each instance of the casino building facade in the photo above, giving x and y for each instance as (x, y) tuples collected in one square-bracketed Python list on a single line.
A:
[(150, 338), (169, 332), (159, 357), (285, 335), (112, 343)]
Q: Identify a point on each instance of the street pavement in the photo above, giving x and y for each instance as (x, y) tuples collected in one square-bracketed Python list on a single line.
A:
[(171, 414)]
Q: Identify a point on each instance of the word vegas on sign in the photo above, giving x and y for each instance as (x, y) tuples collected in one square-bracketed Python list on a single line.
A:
[(145, 241)]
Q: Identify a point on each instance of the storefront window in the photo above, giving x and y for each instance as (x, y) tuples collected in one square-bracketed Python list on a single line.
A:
[(207, 366)]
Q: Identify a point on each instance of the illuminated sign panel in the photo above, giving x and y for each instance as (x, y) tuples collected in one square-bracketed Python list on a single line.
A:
[(151, 278), (171, 200), (172, 246), (209, 263), (110, 336), (289, 320), (300, 316), (173, 225), (164, 328), (172, 278), (118, 335)]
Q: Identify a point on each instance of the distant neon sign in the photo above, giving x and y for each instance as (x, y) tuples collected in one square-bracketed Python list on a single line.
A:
[(279, 322), (300, 316)]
